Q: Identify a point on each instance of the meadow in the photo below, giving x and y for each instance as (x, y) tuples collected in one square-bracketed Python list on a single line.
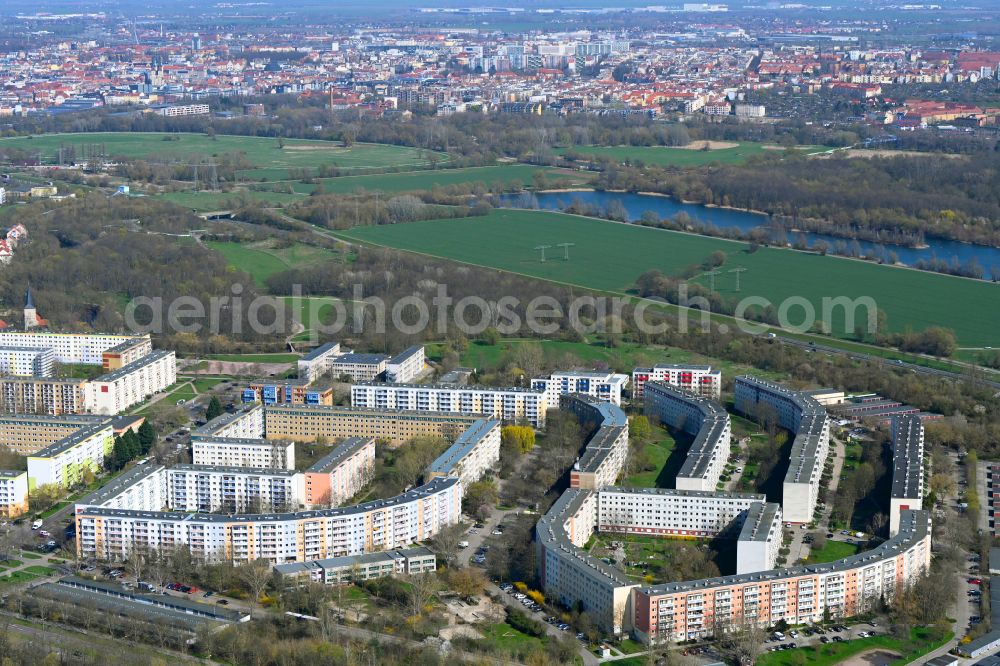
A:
[(261, 261), (609, 256), (679, 157), (271, 160), (392, 183)]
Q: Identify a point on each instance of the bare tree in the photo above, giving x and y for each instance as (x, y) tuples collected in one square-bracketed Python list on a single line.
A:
[(741, 637), (422, 589), (255, 575)]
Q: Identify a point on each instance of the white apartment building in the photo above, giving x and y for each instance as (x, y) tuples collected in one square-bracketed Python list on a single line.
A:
[(317, 362), (242, 452), (405, 366), (177, 110), (606, 386), (760, 538), (120, 389), (211, 489), (27, 361), (802, 415), (664, 512), (908, 468), (606, 449), (248, 422), (475, 453), (706, 420), (508, 404), (13, 493), (62, 462), (698, 379), (343, 570), (84, 348), (385, 524)]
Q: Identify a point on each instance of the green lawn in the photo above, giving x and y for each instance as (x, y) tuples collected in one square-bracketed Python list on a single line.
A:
[(832, 551), (658, 452), (609, 256), (507, 637), (39, 570), (834, 653), (206, 201), (15, 577), (28, 555), (261, 260), (681, 157), (270, 160), (312, 310), (206, 384), (509, 175)]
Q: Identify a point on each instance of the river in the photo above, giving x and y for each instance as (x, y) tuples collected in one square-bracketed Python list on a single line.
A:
[(723, 218)]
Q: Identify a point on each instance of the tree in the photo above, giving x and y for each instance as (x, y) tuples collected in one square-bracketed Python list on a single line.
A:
[(480, 497), (521, 437), (421, 592), (640, 428), (214, 409), (147, 437), (467, 581), (255, 576)]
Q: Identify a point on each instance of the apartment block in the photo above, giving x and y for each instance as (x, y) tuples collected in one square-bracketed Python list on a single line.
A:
[(341, 474), (475, 453), (760, 538), (63, 462), (124, 353), (287, 392), (606, 448), (130, 384), (344, 570), (678, 513), (25, 434), (27, 361), (705, 419), (308, 423), (379, 525), (907, 468), (691, 610), (698, 379), (606, 386), (802, 415), (43, 395), (84, 348), (245, 423), (212, 489), (405, 366), (508, 404), (13, 493), (242, 452)]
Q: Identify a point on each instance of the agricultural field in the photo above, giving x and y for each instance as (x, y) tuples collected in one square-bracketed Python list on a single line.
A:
[(392, 183), (271, 160), (609, 256), (262, 260), (690, 156)]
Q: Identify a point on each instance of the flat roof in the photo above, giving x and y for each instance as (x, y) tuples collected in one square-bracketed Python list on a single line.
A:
[(221, 421), (406, 354), (120, 484), (360, 359), (12, 473), (907, 457), (913, 526), (434, 486), (347, 561), (73, 439), (451, 387), (186, 606), (761, 516), (232, 469), (344, 450), (467, 441), (320, 351), (125, 370)]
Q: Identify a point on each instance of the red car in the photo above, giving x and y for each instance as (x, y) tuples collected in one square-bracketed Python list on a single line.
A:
[(975, 581)]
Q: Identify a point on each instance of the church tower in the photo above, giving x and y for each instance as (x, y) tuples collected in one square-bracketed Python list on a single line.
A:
[(30, 315)]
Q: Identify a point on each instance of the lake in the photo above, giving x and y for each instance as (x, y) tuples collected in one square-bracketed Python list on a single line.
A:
[(723, 218)]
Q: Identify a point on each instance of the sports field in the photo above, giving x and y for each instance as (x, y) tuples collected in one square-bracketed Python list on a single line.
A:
[(610, 256), (681, 157), (271, 160), (391, 183)]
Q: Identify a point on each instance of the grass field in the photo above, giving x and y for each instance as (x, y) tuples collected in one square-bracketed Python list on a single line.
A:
[(609, 256), (658, 453), (424, 180), (680, 157), (270, 161), (832, 551), (279, 357), (205, 201), (261, 260)]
